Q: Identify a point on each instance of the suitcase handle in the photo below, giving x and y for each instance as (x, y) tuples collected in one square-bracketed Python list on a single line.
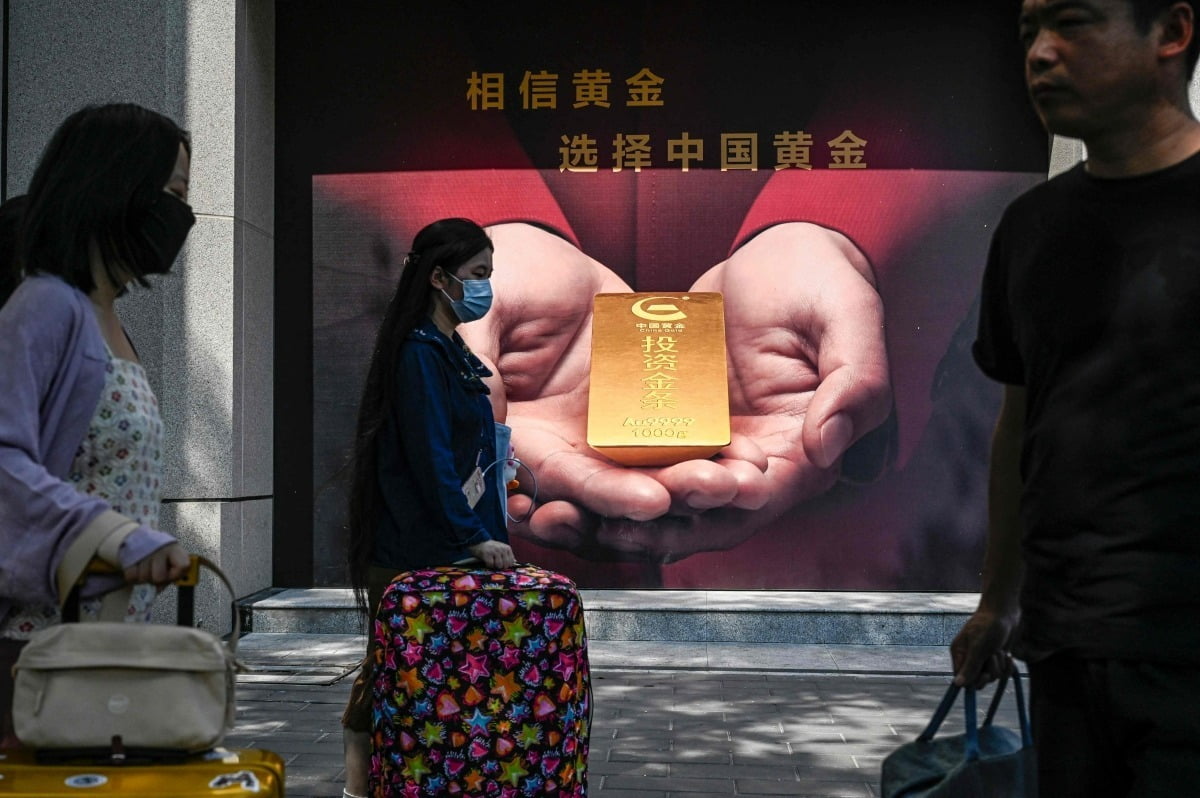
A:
[(185, 601), (189, 579)]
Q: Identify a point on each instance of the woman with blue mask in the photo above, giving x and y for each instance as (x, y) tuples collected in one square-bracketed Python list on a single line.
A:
[(476, 298), (425, 439)]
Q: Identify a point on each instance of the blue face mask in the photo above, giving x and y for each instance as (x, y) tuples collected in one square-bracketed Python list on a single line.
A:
[(476, 301)]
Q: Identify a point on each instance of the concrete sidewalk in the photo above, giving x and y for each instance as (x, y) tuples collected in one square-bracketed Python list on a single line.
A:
[(671, 720)]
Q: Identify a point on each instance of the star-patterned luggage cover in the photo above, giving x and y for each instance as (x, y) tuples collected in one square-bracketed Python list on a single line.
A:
[(481, 685)]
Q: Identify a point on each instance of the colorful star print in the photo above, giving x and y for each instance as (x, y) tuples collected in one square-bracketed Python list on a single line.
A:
[(410, 681), (476, 639), (531, 735), (505, 685), (515, 631), (482, 685), (416, 767), (513, 771), (434, 733), (479, 722), (416, 627), (475, 668)]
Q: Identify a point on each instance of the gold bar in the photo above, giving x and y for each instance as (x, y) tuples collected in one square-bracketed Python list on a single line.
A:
[(659, 385)]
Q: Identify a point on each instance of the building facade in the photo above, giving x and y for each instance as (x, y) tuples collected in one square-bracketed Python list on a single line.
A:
[(209, 334)]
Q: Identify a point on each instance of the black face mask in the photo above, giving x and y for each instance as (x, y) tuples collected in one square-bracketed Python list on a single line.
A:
[(168, 221)]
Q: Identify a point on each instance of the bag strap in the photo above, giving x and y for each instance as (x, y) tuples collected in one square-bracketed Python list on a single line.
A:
[(999, 694), (185, 586), (189, 581), (940, 713), (101, 537), (971, 743), (1022, 711), (971, 737)]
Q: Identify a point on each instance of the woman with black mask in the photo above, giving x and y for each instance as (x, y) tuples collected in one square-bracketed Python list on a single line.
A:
[(80, 432)]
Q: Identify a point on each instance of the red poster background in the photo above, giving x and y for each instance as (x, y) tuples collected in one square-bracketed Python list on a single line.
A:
[(942, 159)]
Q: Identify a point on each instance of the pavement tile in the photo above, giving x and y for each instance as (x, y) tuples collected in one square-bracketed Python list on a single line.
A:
[(669, 755), (258, 730), (871, 764), (700, 737), (687, 732), (805, 733), (661, 753), (695, 720), (833, 789), (823, 757), (633, 736), (764, 751), (315, 785), (785, 773), (766, 787), (668, 784), (760, 656), (284, 747), (631, 722), (601, 767)]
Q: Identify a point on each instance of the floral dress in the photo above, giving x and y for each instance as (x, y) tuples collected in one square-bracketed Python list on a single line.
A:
[(119, 461)]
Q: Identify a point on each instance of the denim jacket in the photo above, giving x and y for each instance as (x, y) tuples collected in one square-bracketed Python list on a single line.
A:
[(439, 431)]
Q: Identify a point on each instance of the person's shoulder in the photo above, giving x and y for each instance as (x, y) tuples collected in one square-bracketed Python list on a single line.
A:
[(48, 288), (1065, 182), (50, 317), (422, 345), (425, 337), (48, 299), (425, 331), (1049, 193)]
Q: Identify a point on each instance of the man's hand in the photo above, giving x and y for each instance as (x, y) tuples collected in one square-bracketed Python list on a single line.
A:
[(980, 650), (808, 376)]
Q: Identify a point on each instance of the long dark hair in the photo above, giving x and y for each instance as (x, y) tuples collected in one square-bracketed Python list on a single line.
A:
[(445, 244), (10, 221), (95, 182)]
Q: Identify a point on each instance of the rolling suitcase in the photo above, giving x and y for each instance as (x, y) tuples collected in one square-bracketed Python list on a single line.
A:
[(219, 772), (481, 685)]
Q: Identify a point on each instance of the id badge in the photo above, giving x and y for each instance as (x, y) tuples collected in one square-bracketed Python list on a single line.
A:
[(473, 488)]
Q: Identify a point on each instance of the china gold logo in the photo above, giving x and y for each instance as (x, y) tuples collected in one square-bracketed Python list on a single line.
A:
[(658, 308)]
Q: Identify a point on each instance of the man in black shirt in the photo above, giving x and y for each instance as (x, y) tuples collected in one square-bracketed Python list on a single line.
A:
[(1090, 317)]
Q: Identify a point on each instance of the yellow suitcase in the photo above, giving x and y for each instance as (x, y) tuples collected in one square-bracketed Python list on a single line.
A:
[(228, 773)]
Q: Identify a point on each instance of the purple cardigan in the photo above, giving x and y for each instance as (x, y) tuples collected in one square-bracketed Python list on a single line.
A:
[(52, 365)]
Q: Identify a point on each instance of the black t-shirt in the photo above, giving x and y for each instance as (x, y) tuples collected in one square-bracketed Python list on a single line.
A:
[(1091, 300)]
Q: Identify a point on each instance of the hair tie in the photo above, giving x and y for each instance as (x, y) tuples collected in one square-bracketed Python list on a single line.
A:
[(411, 258)]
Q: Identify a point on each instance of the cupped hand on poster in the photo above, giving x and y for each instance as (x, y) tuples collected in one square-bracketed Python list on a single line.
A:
[(808, 376)]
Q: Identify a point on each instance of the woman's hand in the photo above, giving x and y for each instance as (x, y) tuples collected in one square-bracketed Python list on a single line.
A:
[(161, 567), (494, 554)]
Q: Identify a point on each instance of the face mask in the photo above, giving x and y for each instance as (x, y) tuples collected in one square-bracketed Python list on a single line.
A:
[(476, 301), (168, 221)]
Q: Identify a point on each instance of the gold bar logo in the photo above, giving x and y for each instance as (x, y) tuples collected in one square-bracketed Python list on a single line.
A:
[(659, 390)]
